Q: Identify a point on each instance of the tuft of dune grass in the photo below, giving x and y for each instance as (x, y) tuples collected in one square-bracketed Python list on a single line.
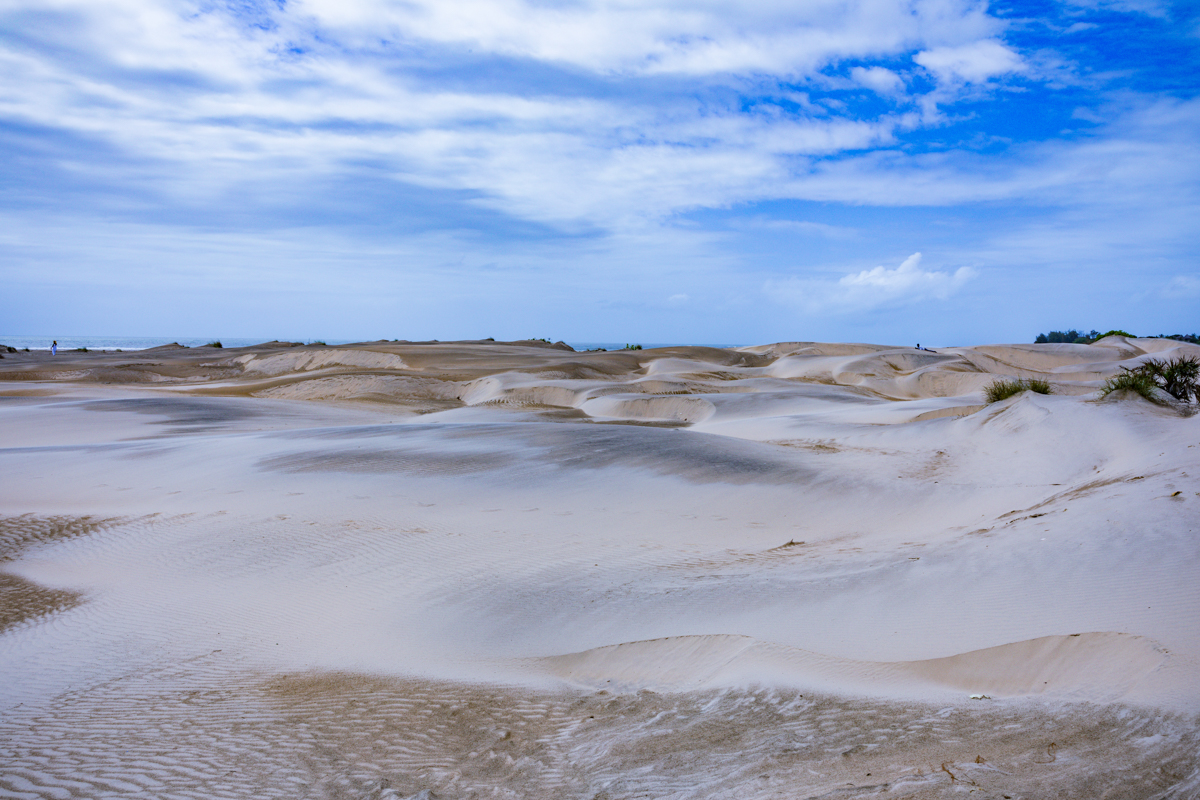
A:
[(1130, 381), (1004, 389)]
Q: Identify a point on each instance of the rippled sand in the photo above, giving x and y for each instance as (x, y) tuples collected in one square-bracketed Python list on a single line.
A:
[(512, 570)]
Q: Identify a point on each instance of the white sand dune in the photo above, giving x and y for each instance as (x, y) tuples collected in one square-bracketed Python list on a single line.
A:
[(513, 570)]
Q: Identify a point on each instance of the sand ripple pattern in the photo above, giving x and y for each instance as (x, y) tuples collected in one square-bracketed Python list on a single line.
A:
[(179, 733)]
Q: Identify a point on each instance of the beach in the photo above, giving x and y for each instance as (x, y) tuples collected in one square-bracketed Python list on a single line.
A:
[(511, 569)]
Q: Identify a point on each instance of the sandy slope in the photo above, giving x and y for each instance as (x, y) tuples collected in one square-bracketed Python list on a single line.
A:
[(513, 570)]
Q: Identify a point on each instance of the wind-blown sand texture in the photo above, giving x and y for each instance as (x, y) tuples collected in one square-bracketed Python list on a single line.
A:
[(511, 570)]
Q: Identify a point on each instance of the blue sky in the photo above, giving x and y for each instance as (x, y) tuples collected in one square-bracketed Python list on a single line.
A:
[(941, 171)]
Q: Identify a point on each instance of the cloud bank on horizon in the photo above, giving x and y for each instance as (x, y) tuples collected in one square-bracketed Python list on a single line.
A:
[(671, 171)]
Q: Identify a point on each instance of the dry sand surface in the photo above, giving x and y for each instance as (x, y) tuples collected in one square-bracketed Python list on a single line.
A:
[(512, 570)]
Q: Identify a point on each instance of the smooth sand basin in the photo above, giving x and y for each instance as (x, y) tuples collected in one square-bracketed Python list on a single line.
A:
[(513, 570)]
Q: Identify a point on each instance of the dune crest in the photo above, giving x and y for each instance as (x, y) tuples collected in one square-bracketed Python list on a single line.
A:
[(1096, 667), (619, 385)]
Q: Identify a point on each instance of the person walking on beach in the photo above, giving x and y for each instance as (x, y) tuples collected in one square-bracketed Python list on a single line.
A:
[(54, 348)]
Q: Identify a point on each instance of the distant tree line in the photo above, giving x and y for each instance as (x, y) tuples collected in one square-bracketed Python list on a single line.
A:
[(1073, 336), (1069, 336)]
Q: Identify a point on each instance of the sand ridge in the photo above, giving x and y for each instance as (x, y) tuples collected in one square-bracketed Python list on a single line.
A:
[(1095, 667)]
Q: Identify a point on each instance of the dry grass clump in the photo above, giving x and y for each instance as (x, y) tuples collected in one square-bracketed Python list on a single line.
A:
[(1004, 389)]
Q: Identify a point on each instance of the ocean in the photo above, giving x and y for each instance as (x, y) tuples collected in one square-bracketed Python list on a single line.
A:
[(145, 342)]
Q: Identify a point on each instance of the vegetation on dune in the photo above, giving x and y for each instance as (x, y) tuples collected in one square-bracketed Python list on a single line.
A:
[(1004, 389), (1190, 338), (1066, 337), (1177, 377), (1072, 336), (81, 349), (1132, 381), (217, 343), (632, 347)]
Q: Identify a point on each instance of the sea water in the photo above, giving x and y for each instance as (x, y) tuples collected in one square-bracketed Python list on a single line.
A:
[(145, 342), (130, 342)]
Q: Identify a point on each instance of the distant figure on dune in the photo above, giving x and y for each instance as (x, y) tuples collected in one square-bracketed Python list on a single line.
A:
[(54, 348), (918, 345)]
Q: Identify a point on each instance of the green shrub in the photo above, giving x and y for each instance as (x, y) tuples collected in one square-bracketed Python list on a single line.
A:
[(1004, 389), (632, 347), (216, 344), (1132, 381), (1176, 377), (81, 349), (1114, 332)]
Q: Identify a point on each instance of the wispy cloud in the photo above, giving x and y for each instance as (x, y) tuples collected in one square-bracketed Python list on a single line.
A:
[(671, 37), (1154, 8), (202, 97), (1183, 286)]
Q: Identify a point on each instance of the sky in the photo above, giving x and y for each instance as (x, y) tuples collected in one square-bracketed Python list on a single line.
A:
[(895, 171)]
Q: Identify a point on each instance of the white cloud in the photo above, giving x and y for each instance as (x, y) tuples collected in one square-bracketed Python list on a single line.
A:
[(907, 281), (871, 288), (677, 300), (880, 80), (970, 63), (252, 110)]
